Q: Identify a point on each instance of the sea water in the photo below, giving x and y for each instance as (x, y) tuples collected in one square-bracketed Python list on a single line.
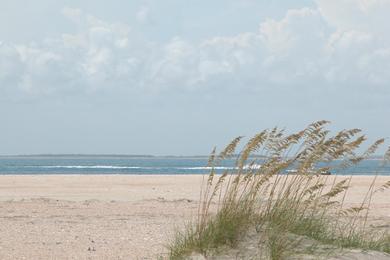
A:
[(75, 164)]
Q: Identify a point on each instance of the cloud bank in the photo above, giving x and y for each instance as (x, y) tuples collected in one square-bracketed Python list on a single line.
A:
[(340, 44)]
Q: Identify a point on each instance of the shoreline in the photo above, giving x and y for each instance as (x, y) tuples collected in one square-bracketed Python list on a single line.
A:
[(167, 174)]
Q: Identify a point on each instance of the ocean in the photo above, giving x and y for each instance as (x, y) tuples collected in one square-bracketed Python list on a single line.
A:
[(139, 165)]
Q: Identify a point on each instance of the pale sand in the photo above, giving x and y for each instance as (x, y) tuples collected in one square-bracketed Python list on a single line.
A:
[(112, 216)]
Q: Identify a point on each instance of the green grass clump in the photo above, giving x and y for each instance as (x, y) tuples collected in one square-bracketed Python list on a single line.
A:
[(222, 229), (264, 193)]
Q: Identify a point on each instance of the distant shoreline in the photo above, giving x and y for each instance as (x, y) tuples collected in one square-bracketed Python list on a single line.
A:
[(132, 156), (101, 156), (170, 174)]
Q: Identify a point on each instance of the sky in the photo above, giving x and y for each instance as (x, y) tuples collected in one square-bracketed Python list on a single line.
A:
[(178, 77)]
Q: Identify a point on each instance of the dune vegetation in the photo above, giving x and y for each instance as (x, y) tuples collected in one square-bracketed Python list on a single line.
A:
[(280, 190)]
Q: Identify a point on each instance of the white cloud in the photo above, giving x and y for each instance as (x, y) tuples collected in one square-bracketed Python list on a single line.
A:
[(142, 15), (72, 14), (11, 70), (338, 43)]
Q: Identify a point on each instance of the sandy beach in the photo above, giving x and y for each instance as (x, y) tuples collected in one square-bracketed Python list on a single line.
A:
[(112, 216)]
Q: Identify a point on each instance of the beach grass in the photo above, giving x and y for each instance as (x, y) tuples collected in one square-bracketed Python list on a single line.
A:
[(278, 187)]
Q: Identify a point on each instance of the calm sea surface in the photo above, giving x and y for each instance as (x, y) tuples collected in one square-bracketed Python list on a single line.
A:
[(130, 165)]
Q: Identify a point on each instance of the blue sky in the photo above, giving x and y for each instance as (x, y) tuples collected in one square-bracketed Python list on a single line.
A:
[(178, 77)]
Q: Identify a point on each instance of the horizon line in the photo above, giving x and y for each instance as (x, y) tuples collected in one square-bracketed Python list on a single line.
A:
[(126, 155)]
